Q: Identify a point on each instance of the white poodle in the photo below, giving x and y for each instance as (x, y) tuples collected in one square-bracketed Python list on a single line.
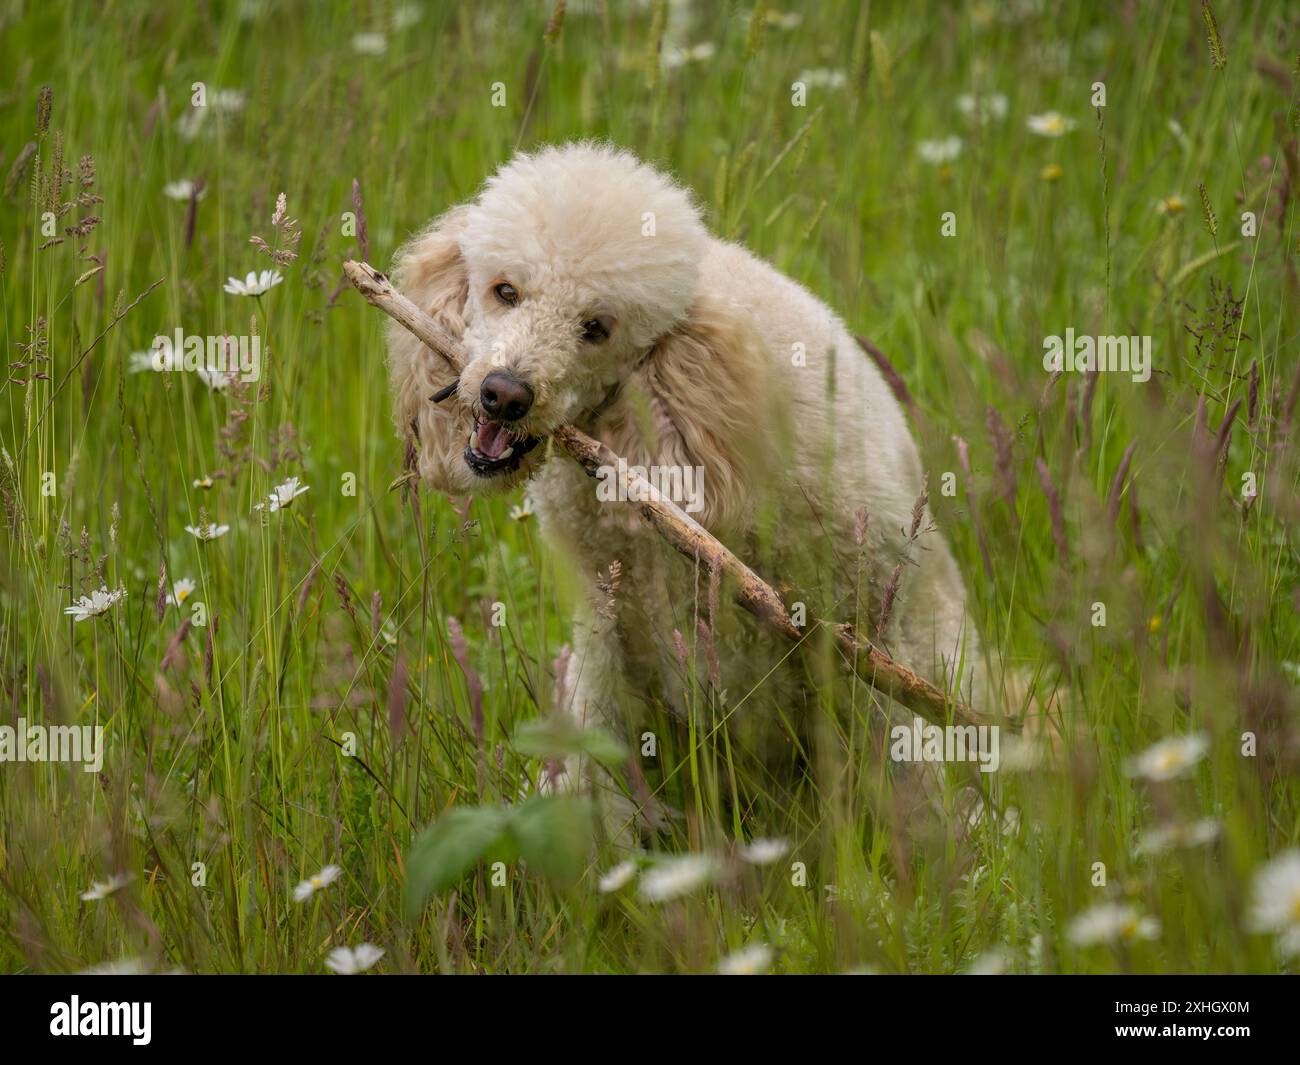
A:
[(588, 291)]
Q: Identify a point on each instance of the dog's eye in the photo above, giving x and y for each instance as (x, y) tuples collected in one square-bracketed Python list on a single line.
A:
[(507, 293), (594, 331)]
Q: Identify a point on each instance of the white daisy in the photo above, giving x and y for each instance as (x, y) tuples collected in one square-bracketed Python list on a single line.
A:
[(522, 512), (217, 380), (370, 44), (695, 53), (351, 960), (1035, 953), (189, 124), (207, 532), (1050, 124), (618, 877), (183, 590), (1275, 901), (982, 108), (155, 360), (121, 967), (673, 877), (182, 190), (203, 482), (228, 100), (752, 960), (407, 16), (1111, 922), (282, 495), (1175, 834), (101, 889), (765, 851), (95, 604), (939, 151), (254, 284), (307, 888), (1170, 758)]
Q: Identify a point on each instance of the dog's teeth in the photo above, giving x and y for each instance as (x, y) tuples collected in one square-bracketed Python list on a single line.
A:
[(506, 453), (473, 439)]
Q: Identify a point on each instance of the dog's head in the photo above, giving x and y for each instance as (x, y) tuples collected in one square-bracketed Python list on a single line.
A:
[(560, 276)]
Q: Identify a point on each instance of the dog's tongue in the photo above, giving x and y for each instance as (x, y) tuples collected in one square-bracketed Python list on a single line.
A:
[(492, 439)]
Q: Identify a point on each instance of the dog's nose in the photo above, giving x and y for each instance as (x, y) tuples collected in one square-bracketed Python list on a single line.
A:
[(504, 397)]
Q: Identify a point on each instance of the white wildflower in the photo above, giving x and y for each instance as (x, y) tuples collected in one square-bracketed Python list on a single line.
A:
[(95, 604), (1174, 835), (618, 877), (207, 532), (282, 495), (1111, 922), (695, 53), (1050, 124), (120, 967), (1170, 758), (182, 190), (982, 108), (217, 380), (155, 360), (1275, 901), (254, 284), (370, 44), (765, 851), (939, 151), (307, 888), (674, 877), (822, 78), (101, 889), (753, 960), (407, 16), (348, 961), (228, 100)]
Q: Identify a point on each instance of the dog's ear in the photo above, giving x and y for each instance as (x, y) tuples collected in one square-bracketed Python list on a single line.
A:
[(707, 380), (430, 270)]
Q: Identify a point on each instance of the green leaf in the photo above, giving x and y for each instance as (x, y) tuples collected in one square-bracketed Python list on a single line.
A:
[(554, 835), (603, 747), (559, 736), (449, 848)]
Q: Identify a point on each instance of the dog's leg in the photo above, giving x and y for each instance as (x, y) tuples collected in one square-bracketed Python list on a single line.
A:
[(589, 693)]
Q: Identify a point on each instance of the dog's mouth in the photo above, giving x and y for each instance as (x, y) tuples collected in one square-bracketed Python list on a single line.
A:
[(494, 447)]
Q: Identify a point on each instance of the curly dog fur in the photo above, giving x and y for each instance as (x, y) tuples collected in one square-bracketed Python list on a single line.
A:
[(713, 361)]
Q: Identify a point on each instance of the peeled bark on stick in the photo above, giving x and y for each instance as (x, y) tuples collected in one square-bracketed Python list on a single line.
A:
[(684, 533)]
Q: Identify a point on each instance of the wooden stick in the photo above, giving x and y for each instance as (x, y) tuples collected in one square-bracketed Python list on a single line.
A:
[(680, 530)]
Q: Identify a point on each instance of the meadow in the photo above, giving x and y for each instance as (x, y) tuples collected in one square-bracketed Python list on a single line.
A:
[(288, 706)]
